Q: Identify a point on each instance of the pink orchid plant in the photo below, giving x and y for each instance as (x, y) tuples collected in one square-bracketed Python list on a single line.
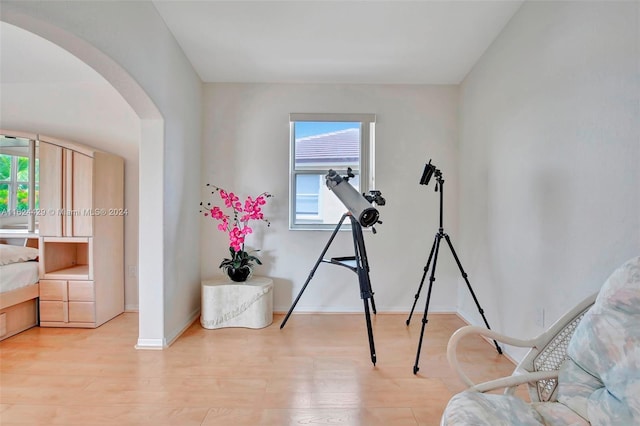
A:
[(237, 226)]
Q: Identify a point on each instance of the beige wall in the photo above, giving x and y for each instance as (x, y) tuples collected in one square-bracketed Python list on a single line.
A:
[(550, 160), (246, 149)]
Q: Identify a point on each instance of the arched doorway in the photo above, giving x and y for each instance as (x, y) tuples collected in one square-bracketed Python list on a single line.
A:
[(150, 147)]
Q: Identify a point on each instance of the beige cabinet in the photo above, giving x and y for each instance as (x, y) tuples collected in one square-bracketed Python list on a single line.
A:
[(81, 235), (65, 191), (67, 301)]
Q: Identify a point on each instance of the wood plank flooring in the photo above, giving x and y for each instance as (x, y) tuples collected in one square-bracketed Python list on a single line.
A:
[(316, 371)]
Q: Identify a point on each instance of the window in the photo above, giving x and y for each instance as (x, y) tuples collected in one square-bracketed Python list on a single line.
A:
[(18, 178), (320, 142)]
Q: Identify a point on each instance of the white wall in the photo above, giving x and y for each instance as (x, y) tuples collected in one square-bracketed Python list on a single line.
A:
[(55, 94), (246, 150), (550, 160), (129, 44)]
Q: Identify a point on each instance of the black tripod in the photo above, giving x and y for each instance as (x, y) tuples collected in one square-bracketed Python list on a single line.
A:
[(357, 264), (434, 255)]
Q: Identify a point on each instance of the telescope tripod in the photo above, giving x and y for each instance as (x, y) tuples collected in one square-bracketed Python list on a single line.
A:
[(357, 264), (433, 255)]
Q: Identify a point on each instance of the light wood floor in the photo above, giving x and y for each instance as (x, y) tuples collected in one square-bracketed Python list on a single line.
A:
[(315, 371)]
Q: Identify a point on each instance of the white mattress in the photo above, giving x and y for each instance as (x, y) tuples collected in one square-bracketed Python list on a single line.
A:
[(16, 275)]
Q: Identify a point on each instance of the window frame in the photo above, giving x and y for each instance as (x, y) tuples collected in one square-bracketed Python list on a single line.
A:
[(365, 170), (13, 183)]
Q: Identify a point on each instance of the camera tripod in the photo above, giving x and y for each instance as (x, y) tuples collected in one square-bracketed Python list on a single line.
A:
[(433, 255), (357, 264)]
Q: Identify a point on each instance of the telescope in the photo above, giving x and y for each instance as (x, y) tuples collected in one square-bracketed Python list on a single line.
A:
[(361, 214), (359, 205)]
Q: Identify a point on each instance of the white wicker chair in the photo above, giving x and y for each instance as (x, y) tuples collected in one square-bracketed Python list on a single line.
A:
[(585, 370), (539, 369)]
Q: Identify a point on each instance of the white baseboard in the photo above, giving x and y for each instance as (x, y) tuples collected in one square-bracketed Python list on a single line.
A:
[(466, 318), (358, 310), (160, 344), (511, 353), (150, 344), (192, 318)]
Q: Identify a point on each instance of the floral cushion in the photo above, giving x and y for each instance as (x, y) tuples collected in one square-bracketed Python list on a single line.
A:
[(481, 409), (600, 382), (484, 409), (558, 414)]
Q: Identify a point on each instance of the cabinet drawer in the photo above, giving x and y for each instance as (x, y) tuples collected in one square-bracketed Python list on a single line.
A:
[(53, 290), (82, 312), (53, 311), (81, 291)]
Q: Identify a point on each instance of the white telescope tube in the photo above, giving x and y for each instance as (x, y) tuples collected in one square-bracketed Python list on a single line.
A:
[(358, 206)]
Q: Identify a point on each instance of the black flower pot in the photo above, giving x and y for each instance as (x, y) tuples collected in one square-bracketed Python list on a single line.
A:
[(240, 274)]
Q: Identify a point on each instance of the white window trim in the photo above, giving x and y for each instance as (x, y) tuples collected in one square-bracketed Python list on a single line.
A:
[(14, 182), (365, 168)]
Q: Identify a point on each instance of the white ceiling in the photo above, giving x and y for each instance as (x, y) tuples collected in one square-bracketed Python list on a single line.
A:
[(385, 42), (379, 42)]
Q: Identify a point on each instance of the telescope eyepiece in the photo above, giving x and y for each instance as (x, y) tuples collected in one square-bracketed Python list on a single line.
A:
[(369, 217)]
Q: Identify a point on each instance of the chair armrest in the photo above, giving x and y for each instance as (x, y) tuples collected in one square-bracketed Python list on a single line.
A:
[(515, 380), (452, 346)]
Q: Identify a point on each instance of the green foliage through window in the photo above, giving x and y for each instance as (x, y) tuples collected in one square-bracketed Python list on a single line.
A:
[(14, 183)]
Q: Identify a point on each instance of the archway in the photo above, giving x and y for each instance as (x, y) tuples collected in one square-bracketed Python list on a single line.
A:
[(151, 145)]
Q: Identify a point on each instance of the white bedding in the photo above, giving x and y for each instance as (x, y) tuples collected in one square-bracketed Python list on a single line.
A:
[(17, 275)]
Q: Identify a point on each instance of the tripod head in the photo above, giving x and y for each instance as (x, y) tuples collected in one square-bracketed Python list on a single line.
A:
[(428, 172), (376, 197)]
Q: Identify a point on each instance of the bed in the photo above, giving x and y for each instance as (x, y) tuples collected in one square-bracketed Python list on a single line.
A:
[(18, 288)]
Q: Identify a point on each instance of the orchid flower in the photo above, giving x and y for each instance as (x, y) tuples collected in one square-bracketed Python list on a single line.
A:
[(237, 225)]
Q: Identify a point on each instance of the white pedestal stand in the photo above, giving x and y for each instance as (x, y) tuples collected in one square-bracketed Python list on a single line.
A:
[(229, 304)]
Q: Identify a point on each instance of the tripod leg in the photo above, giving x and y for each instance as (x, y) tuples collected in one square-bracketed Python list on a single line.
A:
[(424, 275), (372, 347), (432, 278), (466, 280), (362, 269), (313, 271), (373, 305), (295, 302), (366, 291)]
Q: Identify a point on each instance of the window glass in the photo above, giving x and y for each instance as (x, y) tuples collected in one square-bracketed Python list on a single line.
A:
[(15, 186), (5, 167), (22, 172), (307, 195), (323, 144), (4, 197)]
